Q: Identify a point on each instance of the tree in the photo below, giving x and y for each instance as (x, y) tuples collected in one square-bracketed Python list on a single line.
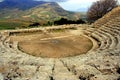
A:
[(66, 21), (100, 8), (34, 24)]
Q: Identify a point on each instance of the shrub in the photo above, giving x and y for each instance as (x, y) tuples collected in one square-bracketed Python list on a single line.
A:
[(66, 21), (100, 8), (34, 24)]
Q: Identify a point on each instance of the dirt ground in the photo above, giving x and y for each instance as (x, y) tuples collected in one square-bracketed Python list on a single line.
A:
[(53, 45)]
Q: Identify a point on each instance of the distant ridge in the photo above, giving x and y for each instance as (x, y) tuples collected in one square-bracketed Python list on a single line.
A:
[(20, 4)]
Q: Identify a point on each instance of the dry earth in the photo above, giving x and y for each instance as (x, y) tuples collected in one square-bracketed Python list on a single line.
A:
[(53, 45)]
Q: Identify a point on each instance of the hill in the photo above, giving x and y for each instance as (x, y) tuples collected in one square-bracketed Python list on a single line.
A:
[(33, 11), (49, 12)]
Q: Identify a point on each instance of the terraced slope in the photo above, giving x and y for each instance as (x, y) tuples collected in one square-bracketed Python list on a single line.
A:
[(102, 62), (111, 15)]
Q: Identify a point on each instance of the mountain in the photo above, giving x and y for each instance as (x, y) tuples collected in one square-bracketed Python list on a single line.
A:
[(30, 11), (19, 4), (49, 11)]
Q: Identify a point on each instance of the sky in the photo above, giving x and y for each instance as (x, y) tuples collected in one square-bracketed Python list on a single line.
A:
[(79, 5), (73, 5)]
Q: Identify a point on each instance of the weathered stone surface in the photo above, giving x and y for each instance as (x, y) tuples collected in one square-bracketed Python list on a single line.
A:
[(104, 77), (61, 72), (1, 77), (86, 71)]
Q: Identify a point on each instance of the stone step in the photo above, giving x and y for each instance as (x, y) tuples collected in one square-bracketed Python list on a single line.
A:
[(89, 31), (62, 73), (43, 73), (15, 47), (116, 32), (118, 45), (114, 27), (114, 40), (97, 38), (113, 30), (103, 40), (108, 39)]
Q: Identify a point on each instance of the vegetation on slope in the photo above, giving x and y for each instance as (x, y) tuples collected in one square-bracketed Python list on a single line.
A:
[(12, 25)]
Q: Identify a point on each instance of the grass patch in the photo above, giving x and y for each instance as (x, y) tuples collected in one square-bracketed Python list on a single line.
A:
[(11, 25)]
